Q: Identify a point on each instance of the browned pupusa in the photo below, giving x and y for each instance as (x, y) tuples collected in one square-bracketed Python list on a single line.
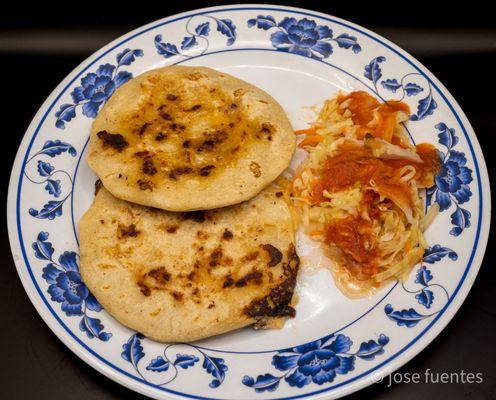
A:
[(189, 138), (187, 276)]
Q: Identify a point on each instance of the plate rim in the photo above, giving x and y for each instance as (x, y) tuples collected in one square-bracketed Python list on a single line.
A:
[(395, 361)]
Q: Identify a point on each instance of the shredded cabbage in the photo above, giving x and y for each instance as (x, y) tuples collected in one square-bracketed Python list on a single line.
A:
[(388, 216)]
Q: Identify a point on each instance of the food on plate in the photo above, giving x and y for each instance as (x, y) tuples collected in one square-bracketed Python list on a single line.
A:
[(186, 276), (358, 190), (172, 246), (189, 138)]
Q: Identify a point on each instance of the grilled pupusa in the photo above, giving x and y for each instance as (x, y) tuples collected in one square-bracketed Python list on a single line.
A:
[(189, 138), (187, 276)]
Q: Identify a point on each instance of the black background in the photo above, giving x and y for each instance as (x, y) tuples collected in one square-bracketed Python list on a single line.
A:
[(458, 44)]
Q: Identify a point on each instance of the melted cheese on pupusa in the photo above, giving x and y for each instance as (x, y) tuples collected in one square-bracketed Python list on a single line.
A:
[(207, 125)]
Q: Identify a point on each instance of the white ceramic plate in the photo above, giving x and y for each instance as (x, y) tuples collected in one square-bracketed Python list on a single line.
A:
[(334, 346)]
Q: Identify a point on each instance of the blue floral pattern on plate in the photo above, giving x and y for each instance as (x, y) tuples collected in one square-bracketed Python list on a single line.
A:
[(316, 362), (194, 36), (67, 288), (424, 294), (304, 37), (97, 87), (47, 174), (425, 106), (452, 183), (133, 353)]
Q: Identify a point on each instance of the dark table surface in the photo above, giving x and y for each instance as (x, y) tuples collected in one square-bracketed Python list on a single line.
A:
[(39, 47)]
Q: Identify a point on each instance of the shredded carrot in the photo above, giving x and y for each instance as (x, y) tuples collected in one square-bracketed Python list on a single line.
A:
[(388, 124), (316, 232), (313, 140), (408, 247), (308, 131)]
